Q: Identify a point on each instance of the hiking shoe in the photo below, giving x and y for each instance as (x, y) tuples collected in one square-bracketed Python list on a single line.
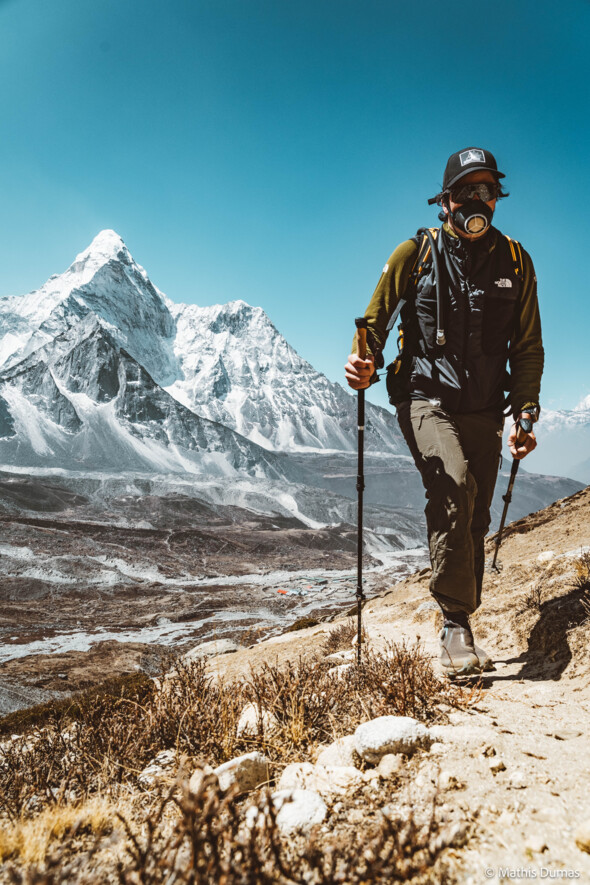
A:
[(485, 661), (457, 651)]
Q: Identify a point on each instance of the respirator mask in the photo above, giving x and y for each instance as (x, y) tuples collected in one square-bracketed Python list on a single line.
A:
[(473, 217)]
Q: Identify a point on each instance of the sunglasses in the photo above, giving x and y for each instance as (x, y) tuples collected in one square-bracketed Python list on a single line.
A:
[(482, 189)]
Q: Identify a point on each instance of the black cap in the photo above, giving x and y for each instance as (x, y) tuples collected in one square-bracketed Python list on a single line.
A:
[(468, 160)]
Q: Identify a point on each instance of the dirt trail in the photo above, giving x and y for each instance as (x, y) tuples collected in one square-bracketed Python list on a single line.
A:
[(531, 719)]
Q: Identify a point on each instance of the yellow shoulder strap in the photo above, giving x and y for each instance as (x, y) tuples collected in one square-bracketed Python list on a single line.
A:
[(516, 252), (422, 254)]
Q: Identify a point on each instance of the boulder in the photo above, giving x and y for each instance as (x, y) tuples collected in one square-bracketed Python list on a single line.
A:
[(390, 734), (298, 810), (245, 772)]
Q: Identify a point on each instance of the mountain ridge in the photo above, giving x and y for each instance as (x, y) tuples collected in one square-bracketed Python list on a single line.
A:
[(227, 362)]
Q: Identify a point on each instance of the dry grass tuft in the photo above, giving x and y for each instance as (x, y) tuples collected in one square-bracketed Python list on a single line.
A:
[(30, 840)]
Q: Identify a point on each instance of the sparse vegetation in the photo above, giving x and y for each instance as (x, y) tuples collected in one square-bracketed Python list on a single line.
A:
[(582, 581), (534, 598), (77, 762), (342, 636)]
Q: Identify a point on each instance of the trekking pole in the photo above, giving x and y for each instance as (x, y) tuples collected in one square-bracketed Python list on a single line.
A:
[(361, 348), (523, 426)]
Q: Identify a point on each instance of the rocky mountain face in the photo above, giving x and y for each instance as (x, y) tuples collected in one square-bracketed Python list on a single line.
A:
[(236, 368), (227, 363), (82, 401)]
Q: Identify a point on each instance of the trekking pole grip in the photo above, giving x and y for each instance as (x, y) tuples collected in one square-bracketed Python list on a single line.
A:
[(523, 428), (361, 337)]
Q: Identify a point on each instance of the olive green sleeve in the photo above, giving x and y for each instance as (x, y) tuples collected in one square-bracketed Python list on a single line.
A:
[(526, 355), (390, 288)]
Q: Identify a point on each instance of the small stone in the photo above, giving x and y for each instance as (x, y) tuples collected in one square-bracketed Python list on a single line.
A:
[(448, 781), (156, 770), (390, 765), (565, 734), (319, 778), (298, 810), (438, 748), (339, 671), (496, 764), (197, 777), (488, 750), (341, 752), (245, 772), (536, 844), (372, 776), (545, 556), (517, 780), (341, 657), (429, 606), (210, 649), (390, 734), (255, 721), (582, 836)]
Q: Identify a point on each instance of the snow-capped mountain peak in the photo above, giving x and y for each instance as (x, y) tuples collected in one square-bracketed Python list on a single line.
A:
[(106, 246), (104, 280), (226, 362)]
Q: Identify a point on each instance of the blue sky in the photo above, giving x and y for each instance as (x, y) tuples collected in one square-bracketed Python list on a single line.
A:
[(278, 152)]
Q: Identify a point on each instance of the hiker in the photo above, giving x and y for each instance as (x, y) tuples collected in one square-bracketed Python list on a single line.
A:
[(469, 310)]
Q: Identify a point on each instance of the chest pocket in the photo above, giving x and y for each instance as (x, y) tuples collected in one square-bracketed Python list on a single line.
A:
[(499, 314), (426, 312)]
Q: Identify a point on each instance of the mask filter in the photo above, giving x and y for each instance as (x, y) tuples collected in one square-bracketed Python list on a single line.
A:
[(473, 217)]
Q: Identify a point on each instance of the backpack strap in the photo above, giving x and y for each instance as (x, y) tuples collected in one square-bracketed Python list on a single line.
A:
[(516, 252), (417, 268)]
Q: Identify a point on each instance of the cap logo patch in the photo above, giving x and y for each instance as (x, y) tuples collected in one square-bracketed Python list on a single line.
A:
[(472, 156)]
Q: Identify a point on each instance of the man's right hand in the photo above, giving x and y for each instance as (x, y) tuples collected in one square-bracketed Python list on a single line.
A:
[(358, 372)]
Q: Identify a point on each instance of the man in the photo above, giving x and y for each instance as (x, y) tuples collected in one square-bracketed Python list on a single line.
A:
[(459, 339)]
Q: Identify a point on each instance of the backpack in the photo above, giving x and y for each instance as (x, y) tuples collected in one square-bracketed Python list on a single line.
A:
[(397, 371)]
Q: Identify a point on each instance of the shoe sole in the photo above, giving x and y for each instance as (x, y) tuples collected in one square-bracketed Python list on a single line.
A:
[(466, 670)]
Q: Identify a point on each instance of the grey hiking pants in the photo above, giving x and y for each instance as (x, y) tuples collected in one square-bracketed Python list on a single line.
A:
[(458, 457)]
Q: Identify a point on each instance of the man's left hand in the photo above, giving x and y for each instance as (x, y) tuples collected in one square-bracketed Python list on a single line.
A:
[(524, 446)]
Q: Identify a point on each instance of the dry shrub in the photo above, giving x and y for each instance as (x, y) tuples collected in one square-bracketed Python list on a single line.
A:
[(112, 738), (341, 637), (204, 838), (107, 739), (211, 844), (314, 706)]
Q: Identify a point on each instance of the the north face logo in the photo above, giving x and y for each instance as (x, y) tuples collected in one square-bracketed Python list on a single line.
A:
[(472, 156), (503, 284)]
